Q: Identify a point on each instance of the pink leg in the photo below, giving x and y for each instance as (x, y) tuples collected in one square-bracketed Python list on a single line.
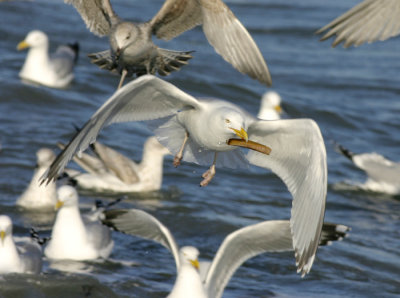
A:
[(121, 81), (210, 173), (179, 155)]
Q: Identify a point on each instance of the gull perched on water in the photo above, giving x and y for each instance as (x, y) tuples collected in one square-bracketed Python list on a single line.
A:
[(270, 108), (36, 195), (110, 171), (210, 131), (133, 51), (383, 174), (369, 21), (18, 254), (53, 71), (74, 238), (239, 246)]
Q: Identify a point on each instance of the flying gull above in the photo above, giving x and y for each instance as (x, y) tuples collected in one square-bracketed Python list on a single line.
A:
[(54, 71), (133, 51), (369, 21), (211, 131), (383, 174), (110, 171), (237, 247), (74, 237), (18, 254)]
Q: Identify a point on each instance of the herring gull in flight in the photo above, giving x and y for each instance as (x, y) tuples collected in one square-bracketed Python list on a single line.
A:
[(133, 51), (237, 247), (211, 131)]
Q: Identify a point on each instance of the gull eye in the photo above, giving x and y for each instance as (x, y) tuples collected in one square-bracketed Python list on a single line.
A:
[(227, 121)]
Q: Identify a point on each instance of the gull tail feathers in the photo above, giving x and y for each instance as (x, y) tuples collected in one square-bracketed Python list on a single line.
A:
[(104, 60), (169, 61)]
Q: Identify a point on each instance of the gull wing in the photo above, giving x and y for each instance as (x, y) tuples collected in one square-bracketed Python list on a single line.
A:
[(223, 30), (146, 98), (98, 15), (369, 21), (139, 223), (250, 241), (176, 17), (298, 157), (123, 167)]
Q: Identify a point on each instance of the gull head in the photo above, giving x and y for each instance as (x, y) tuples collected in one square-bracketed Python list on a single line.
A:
[(270, 108), (188, 255), (34, 38), (232, 123), (67, 196), (44, 157), (125, 34), (5, 227)]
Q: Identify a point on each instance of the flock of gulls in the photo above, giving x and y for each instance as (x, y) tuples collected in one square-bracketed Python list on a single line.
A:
[(210, 132)]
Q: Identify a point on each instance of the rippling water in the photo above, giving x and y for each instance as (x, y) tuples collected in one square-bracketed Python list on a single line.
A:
[(353, 94)]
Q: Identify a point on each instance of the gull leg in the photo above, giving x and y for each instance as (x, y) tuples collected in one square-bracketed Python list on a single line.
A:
[(179, 155), (123, 75), (210, 173)]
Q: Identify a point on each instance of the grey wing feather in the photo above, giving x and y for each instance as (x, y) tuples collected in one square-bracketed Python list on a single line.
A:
[(369, 21), (98, 15), (31, 255), (145, 98), (298, 157), (141, 224), (63, 61), (243, 244), (176, 17), (124, 168), (378, 167), (232, 41)]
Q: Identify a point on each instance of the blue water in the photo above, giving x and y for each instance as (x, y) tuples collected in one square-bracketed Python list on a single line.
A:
[(353, 94)]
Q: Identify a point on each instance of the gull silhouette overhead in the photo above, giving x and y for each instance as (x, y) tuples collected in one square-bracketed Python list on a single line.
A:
[(54, 71), (369, 21), (211, 131), (133, 51), (237, 247)]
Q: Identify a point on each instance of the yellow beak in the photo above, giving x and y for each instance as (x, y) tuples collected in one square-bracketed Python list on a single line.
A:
[(278, 109), (58, 205), (241, 133), (22, 45), (195, 264), (2, 236)]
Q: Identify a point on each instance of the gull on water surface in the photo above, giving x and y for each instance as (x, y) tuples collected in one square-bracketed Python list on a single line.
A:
[(110, 171), (369, 21), (237, 247), (211, 131), (383, 174), (54, 71), (74, 237), (35, 195), (18, 255), (133, 51), (270, 107)]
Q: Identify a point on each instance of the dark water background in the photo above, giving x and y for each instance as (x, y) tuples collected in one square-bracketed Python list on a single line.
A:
[(353, 94)]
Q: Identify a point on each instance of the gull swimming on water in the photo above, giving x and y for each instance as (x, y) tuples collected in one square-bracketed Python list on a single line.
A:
[(210, 131), (133, 51), (19, 254), (110, 171), (73, 238), (383, 174), (369, 21), (239, 246), (35, 195), (53, 71), (270, 108)]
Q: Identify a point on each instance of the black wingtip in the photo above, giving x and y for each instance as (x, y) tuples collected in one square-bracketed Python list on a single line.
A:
[(110, 215), (75, 47), (342, 150)]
